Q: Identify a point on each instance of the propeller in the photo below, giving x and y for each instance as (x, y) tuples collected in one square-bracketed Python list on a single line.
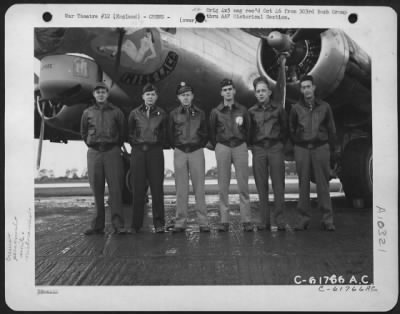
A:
[(307, 33), (280, 42), (39, 155), (301, 46), (121, 33), (282, 62), (285, 42), (40, 105)]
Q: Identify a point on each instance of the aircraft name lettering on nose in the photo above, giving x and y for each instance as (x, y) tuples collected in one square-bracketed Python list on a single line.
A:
[(132, 78)]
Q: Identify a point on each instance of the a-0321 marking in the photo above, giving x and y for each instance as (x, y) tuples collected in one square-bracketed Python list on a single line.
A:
[(382, 231)]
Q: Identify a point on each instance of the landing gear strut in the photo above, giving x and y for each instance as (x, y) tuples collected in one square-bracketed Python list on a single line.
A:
[(356, 172)]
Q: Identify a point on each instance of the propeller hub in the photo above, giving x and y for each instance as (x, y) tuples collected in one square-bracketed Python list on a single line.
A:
[(303, 54), (280, 42)]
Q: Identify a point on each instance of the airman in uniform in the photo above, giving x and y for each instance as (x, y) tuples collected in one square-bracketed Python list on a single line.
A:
[(147, 135), (103, 129), (229, 134), (269, 132), (187, 129), (312, 129)]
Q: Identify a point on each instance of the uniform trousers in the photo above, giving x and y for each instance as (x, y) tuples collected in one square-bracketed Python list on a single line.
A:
[(106, 166), (192, 164), (269, 161), (239, 156), (147, 166), (317, 159)]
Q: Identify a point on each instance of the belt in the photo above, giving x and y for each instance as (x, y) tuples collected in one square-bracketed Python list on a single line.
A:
[(266, 143), (311, 145), (232, 143), (188, 148), (103, 147), (144, 147)]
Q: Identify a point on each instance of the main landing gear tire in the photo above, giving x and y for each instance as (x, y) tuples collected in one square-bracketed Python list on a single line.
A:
[(127, 190), (356, 173), (127, 194)]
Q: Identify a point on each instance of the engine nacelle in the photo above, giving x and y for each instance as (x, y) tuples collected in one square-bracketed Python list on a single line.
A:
[(331, 58), (68, 78)]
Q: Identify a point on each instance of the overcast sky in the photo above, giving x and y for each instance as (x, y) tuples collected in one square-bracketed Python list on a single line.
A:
[(59, 157)]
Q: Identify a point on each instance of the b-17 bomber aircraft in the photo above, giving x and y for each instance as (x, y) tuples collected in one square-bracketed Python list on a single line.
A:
[(70, 60)]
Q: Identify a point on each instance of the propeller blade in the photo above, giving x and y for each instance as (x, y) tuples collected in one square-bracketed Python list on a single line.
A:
[(296, 35), (39, 155), (309, 33), (122, 32), (258, 32), (283, 57)]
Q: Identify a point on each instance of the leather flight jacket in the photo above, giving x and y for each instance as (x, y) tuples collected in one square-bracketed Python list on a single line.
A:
[(224, 128), (146, 131), (269, 124), (187, 128), (103, 126), (312, 126)]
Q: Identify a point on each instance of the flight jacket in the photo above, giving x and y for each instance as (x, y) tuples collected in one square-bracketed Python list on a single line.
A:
[(187, 128), (103, 124), (269, 124), (313, 125), (223, 126), (143, 130), (269, 121)]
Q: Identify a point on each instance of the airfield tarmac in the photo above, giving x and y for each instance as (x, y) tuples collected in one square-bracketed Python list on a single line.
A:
[(64, 256)]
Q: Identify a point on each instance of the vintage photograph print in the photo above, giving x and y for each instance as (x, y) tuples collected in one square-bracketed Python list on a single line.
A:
[(210, 153)]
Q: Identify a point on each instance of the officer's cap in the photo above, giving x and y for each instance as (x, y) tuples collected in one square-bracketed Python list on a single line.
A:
[(226, 82), (149, 88), (100, 85), (183, 87)]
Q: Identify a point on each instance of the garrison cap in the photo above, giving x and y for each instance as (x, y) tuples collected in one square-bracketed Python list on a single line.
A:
[(183, 87), (149, 88), (100, 85), (226, 82)]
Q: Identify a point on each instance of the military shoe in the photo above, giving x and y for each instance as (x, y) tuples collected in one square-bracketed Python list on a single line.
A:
[(260, 227), (159, 229), (119, 230), (223, 227), (328, 227), (178, 229), (274, 228), (204, 229), (93, 231), (247, 227), (301, 226), (284, 227)]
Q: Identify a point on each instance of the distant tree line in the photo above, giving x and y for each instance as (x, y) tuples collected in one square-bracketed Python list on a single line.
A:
[(290, 170), (73, 174), (70, 174)]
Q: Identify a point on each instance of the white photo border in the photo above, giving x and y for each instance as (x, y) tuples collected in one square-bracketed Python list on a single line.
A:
[(21, 292)]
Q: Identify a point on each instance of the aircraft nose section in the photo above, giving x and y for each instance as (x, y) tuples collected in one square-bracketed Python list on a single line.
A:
[(68, 79)]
